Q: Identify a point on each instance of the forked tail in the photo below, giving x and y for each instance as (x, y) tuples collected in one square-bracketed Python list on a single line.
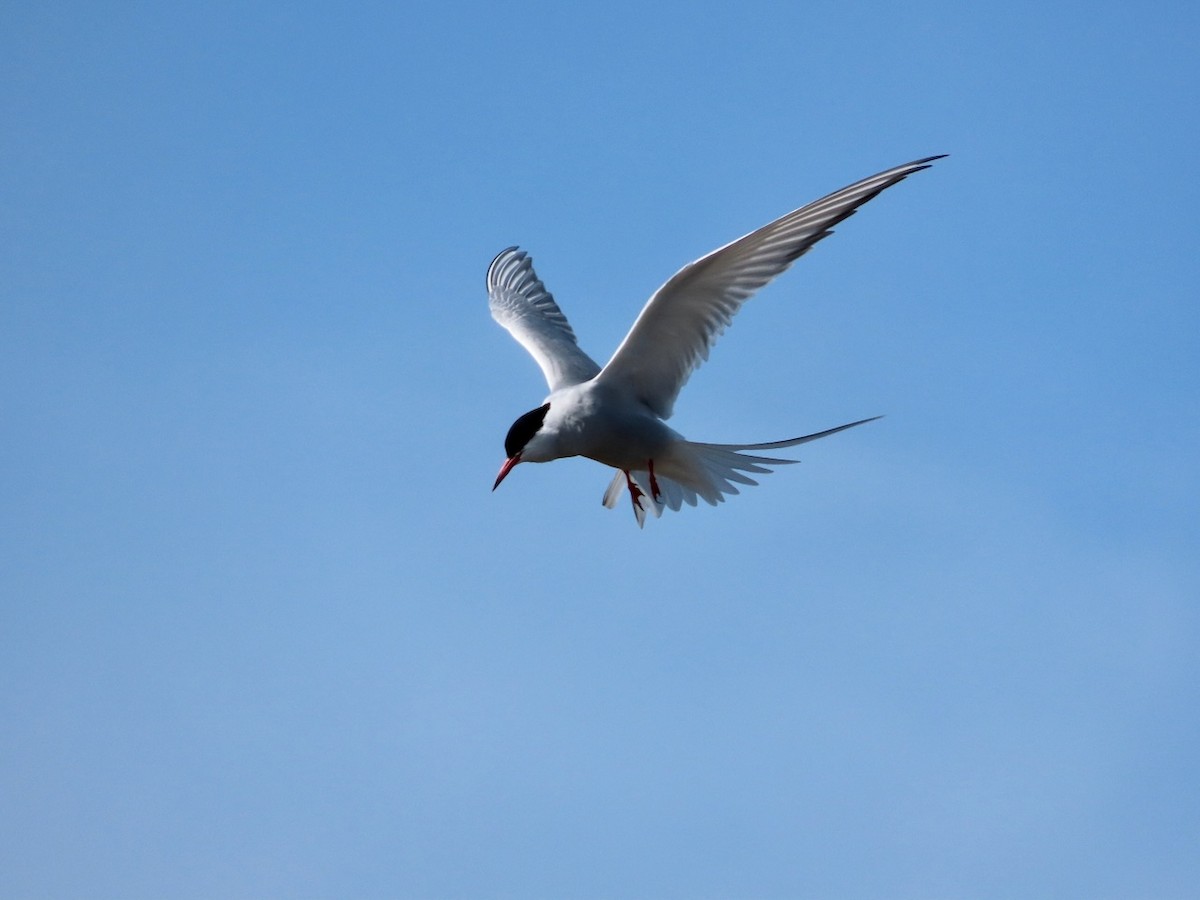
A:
[(708, 472)]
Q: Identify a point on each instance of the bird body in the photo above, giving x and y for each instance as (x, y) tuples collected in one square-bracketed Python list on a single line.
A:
[(603, 423), (615, 414)]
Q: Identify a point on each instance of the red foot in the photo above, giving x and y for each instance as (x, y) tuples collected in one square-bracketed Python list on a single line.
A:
[(654, 483), (635, 492)]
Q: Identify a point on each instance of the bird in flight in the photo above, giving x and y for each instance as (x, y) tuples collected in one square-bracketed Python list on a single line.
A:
[(616, 414)]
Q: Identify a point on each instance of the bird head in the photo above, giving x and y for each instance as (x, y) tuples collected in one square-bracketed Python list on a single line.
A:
[(519, 435)]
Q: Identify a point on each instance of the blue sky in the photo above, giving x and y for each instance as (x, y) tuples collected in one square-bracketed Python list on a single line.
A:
[(266, 633)]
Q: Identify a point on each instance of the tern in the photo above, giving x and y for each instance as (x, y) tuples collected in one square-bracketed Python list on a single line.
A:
[(616, 415)]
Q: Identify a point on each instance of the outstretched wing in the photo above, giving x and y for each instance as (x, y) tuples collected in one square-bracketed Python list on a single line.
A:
[(680, 323), (520, 302)]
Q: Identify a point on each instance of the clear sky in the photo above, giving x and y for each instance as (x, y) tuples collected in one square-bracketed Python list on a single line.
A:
[(264, 630)]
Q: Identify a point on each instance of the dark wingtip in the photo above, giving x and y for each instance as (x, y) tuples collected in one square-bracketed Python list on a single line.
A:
[(502, 255), (919, 164)]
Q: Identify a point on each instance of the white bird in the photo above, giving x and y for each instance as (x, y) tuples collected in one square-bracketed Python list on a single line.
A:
[(615, 415)]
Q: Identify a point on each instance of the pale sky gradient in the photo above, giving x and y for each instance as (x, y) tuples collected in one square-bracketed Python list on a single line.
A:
[(264, 632)]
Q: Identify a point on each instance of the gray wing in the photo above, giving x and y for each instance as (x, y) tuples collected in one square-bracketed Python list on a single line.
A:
[(520, 302), (680, 323)]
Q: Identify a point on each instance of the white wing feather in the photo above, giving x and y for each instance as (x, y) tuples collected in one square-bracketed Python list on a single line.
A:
[(520, 302), (679, 324)]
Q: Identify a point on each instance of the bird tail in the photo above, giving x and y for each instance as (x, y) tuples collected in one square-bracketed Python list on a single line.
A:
[(709, 472)]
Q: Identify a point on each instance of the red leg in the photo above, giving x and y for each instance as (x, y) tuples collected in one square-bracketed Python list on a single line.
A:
[(654, 491), (635, 492)]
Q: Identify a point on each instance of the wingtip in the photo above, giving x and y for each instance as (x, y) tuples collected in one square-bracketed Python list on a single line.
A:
[(918, 164), (502, 255)]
